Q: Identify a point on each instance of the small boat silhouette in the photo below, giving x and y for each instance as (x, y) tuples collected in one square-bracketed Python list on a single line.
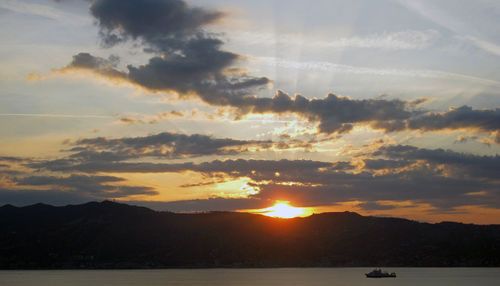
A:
[(378, 273)]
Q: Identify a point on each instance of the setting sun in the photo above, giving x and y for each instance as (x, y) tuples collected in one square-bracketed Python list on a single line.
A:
[(284, 210)]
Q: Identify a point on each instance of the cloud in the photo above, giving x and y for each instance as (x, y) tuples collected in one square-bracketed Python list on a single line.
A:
[(315, 187), (464, 138), (440, 178), (97, 187), (187, 60), (418, 185), (190, 62), (163, 145), (128, 120), (456, 118), (151, 119), (323, 66), (381, 164), (464, 117), (39, 10), (52, 115), (91, 155), (11, 159), (22, 188), (100, 66), (98, 152), (484, 45), (334, 113), (462, 164), (401, 40), (337, 114), (257, 169), (158, 23), (459, 24)]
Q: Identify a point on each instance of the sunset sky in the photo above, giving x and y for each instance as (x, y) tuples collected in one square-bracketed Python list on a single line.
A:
[(388, 108)]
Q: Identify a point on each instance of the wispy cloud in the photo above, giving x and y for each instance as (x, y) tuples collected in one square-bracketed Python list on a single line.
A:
[(341, 68), (444, 19), (402, 40), (52, 115), (38, 10), (484, 45)]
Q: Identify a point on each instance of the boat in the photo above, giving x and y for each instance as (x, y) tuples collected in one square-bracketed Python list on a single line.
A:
[(378, 273)]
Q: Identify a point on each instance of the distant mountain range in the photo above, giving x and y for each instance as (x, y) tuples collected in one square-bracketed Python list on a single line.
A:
[(113, 235)]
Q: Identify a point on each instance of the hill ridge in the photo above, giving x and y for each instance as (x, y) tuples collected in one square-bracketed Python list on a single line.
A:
[(116, 235)]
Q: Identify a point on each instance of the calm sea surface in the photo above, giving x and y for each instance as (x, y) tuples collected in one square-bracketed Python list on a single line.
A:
[(275, 277)]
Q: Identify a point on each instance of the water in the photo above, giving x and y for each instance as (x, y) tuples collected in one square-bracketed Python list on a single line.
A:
[(269, 276)]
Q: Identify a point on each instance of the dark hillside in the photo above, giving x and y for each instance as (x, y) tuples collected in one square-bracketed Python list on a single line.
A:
[(112, 235)]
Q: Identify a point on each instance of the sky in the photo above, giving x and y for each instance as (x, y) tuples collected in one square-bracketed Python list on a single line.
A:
[(386, 108)]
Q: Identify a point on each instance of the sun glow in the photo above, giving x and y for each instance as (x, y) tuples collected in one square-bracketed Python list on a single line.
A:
[(283, 210)]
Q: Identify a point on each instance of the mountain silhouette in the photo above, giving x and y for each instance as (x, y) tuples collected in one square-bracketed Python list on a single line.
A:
[(115, 235)]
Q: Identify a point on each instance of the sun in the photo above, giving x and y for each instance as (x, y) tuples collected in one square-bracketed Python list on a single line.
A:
[(282, 209)]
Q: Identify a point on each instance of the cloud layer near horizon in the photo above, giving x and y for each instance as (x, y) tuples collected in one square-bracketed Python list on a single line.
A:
[(442, 179)]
